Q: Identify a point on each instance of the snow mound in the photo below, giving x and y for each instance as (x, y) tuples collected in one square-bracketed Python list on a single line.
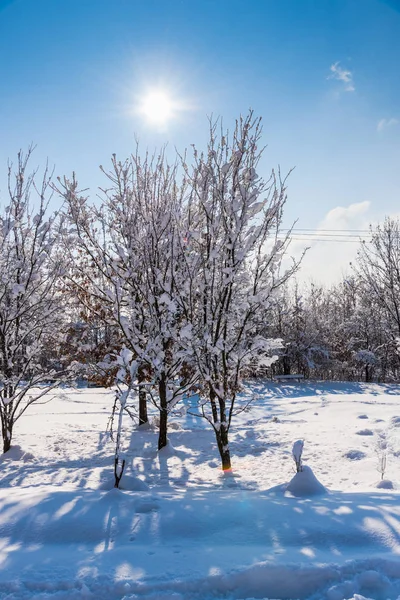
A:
[(128, 483), (154, 424), (354, 455), (385, 484), (229, 479), (365, 432), (168, 450), (18, 454), (144, 426), (395, 421), (304, 484)]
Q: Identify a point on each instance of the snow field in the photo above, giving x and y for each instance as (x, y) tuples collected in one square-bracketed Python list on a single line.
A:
[(180, 529)]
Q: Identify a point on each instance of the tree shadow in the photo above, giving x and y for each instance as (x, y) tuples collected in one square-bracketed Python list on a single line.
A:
[(119, 542), (59, 472), (320, 388)]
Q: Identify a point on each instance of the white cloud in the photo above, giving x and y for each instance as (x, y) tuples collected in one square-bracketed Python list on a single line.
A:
[(344, 75), (327, 261), (385, 123), (343, 217)]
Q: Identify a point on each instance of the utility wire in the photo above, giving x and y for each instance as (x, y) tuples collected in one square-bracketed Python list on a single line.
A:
[(329, 230), (344, 236), (333, 235), (315, 239)]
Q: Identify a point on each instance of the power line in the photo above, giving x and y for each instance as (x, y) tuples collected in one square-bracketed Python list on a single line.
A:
[(326, 239), (344, 236), (333, 235), (298, 229)]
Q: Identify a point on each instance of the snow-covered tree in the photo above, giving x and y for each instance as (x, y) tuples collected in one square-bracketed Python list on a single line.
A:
[(297, 318), (133, 246), (31, 307), (378, 269), (232, 254), (336, 332)]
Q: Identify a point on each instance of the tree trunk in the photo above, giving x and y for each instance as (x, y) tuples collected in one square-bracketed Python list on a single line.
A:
[(220, 428), (286, 365), (7, 436), (143, 418), (6, 444), (223, 447), (162, 434), (8, 404), (118, 465), (118, 471)]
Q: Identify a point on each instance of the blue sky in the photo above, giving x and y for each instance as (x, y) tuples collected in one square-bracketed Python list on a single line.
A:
[(323, 74)]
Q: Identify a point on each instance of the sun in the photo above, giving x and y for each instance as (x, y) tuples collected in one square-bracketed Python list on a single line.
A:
[(158, 107)]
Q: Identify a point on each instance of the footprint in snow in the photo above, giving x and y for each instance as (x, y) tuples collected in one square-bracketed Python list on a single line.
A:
[(365, 432), (354, 455)]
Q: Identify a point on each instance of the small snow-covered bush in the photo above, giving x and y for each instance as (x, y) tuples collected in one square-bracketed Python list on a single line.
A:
[(381, 449), (297, 452)]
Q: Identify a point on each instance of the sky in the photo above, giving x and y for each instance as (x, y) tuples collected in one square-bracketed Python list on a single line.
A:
[(77, 76)]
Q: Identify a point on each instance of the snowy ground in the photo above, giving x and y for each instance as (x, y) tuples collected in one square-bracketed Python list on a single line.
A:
[(183, 531)]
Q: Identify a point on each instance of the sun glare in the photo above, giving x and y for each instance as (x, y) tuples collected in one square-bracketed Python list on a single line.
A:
[(157, 107)]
